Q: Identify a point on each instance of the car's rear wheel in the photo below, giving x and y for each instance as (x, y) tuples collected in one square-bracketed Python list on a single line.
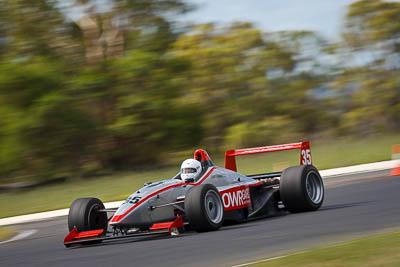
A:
[(84, 214), (204, 208), (301, 188)]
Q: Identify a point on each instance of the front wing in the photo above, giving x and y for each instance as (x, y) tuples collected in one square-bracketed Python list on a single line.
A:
[(75, 238)]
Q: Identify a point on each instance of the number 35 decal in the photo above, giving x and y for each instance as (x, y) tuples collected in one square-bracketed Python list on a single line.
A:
[(306, 157)]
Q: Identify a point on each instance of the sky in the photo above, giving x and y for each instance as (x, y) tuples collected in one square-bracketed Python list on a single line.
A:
[(323, 16)]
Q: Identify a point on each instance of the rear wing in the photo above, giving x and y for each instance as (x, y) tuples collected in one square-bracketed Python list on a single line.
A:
[(305, 153)]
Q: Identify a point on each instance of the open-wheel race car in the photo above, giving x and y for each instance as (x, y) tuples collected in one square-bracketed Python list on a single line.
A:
[(200, 197)]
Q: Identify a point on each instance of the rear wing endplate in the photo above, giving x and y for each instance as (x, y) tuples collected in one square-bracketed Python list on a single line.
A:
[(305, 153)]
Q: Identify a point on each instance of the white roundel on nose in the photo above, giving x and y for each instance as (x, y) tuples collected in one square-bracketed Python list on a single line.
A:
[(190, 169)]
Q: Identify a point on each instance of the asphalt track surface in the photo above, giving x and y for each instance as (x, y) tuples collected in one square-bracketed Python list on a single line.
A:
[(354, 206)]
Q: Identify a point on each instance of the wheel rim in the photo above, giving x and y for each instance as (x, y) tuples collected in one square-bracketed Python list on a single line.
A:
[(95, 218), (213, 206), (314, 187)]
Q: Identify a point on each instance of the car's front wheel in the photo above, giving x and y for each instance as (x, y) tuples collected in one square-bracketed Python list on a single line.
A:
[(204, 208), (84, 214)]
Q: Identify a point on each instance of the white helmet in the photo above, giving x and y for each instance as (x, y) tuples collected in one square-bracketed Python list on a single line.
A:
[(190, 169)]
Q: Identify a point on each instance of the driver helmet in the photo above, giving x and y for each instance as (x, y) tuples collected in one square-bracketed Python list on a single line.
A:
[(190, 169)]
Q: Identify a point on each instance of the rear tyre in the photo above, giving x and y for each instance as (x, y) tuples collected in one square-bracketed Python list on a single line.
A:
[(84, 215), (301, 188), (204, 208)]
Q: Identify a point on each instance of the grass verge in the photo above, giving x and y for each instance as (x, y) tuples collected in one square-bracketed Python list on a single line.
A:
[(326, 154), (6, 233), (380, 250)]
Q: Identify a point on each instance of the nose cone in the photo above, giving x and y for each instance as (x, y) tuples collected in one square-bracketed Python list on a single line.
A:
[(135, 212), (132, 215)]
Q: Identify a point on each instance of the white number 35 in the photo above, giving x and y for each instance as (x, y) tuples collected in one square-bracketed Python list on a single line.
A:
[(306, 155)]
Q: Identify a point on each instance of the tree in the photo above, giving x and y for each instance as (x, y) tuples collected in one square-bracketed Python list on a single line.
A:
[(43, 131), (33, 27), (247, 81), (372, 90), (375, 25), (64, 113), (125, 24)]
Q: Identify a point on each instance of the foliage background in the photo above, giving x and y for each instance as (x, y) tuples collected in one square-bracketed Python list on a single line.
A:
[(125, 85)]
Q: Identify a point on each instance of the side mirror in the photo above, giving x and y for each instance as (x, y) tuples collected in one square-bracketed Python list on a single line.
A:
[(147, 183)]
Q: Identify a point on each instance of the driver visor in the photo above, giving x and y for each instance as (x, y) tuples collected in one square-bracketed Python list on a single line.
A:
[(188, 170)]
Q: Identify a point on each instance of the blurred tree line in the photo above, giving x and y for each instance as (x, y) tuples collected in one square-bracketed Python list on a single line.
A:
[(99, 85)]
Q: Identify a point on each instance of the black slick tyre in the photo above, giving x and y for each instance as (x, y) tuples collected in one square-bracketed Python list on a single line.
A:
[(301, 188), (84, 215), (204, 208)]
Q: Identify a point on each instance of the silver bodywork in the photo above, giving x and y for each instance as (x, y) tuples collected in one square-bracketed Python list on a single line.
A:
[(218, 195), (159, 201)]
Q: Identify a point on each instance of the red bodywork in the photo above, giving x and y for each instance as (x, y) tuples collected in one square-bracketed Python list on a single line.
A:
[(74, 235), (168, 225), (159, 228), (236, 198), (305, 153)]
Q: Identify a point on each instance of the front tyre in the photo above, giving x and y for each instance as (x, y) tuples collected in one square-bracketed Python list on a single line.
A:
[(204, 208), (84, 215), (301, 188)]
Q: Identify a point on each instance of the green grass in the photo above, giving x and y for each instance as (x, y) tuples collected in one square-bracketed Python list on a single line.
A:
[(6, 233), (381, 250), (118, 186), (108, 188)]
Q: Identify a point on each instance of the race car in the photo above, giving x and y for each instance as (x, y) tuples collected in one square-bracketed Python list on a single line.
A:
[(201, 197)]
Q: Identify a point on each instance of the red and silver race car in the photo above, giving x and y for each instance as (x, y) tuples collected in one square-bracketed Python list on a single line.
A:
[(203, 201)]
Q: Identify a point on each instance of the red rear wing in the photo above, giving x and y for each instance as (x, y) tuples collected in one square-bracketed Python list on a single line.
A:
[(305, 153)]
